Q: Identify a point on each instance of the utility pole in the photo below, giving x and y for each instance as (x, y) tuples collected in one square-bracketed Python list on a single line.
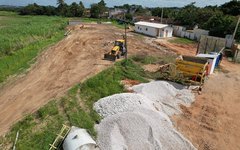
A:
[(234, 34), (235, 31), (125, 36), (162, 15)]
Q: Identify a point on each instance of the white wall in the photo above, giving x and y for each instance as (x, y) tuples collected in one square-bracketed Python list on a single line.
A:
[(146, 30), (177, 30), (199, 32), (229, 41), (168, 32), (180, 31)]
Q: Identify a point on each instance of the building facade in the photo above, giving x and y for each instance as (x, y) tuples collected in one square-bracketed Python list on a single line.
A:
[(154, 29)]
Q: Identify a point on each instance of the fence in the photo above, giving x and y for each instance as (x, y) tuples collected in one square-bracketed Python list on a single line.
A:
[(209, 44), (194, 34)]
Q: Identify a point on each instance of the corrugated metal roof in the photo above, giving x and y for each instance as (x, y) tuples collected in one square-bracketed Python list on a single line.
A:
[(149, 24)]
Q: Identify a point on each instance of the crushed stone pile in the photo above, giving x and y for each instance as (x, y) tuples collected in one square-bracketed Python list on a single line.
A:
[(141, 120), (124, 102), (142, 129), (167, 94)]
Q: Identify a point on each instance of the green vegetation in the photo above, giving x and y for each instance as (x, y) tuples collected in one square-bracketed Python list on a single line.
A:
[(182, 41), (219, 20), (89, 20), (38, 130), (168, 73), (144, 60), (114, 22), (23, 37), (97, 10)]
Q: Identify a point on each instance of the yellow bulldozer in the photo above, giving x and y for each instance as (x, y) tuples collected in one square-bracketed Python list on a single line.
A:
[(117, 51)]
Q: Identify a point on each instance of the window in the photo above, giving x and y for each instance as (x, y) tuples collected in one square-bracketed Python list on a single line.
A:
[(138, 28), (146, 29)]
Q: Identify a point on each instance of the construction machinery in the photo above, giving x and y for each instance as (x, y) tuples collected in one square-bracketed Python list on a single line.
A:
[(117, 51)]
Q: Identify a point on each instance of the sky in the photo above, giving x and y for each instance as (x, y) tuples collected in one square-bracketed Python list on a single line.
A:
[(110, 3)]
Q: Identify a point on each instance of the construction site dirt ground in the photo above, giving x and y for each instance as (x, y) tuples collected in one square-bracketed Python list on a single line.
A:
[(60, 67), (212, 122)]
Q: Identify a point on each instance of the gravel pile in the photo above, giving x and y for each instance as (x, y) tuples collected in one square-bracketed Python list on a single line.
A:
[(141, 120), (167, 94), (125, 102), (142, 129)]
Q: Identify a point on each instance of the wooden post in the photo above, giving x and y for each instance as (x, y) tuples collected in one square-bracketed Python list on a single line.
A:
[(14, 146)]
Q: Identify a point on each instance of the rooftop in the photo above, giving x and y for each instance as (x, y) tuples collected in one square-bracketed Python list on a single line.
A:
[(150, 24)]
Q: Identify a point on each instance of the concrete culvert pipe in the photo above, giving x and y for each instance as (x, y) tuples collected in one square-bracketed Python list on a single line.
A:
[(79, 139)]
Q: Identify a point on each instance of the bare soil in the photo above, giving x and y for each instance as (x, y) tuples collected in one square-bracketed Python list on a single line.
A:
[(72, 60), (212, 122), (180, 49)]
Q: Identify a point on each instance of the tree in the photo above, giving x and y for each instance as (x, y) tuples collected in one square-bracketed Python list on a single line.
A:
[(81, 5), (188, 15), (74, 10), (62, 7), (82, 8), (95, 11), (31, 9), (129, 16), (102, 7), (60, 3), (231, 8), (220, 25)]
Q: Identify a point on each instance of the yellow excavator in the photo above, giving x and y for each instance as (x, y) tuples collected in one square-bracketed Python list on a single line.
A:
[(117, 51)]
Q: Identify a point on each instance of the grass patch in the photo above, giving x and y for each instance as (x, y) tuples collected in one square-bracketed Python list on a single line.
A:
[(38, 130), (23, 37), (89, 20), (144, 60), (114, 22), (108, 82), (178, 40)]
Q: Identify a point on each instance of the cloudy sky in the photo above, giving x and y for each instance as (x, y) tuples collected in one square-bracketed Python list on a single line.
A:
[(148, 3)]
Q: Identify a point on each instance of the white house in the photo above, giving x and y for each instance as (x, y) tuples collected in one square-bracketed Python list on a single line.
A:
[(154, 29)]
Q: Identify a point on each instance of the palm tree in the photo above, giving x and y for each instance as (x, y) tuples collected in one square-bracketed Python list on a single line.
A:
[(60, 3)]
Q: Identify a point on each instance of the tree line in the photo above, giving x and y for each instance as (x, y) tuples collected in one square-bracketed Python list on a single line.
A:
[(63, 9), (72, 10), (219, 20)]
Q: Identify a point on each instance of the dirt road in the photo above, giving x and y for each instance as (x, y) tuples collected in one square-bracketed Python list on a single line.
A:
[(63, 65), (212, 122)]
